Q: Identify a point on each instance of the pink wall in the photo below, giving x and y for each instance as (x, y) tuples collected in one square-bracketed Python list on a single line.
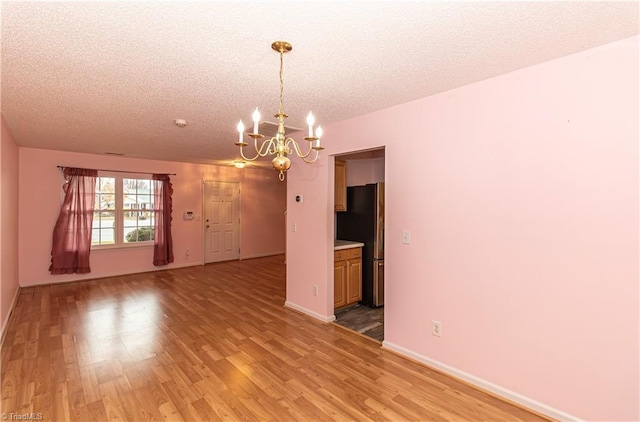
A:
[(523, 211), (8, 222), (262, 206)]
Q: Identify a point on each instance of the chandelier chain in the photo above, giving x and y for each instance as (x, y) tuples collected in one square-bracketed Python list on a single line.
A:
[(281, 85)]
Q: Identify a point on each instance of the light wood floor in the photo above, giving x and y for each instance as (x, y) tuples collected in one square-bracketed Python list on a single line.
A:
[(211, 343)]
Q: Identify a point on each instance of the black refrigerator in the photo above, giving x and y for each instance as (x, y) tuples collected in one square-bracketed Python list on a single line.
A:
[(364, 222)]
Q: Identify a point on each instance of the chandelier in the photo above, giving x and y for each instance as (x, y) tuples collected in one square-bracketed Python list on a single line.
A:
[(280, 145)]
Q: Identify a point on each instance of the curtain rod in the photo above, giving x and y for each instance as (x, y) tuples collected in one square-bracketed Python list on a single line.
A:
[(118, 171)]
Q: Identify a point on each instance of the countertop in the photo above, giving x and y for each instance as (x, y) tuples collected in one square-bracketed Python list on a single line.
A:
[(346, 244)]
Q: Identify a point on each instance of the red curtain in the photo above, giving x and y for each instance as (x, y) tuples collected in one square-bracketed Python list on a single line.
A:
[(162, 204), (72, 232)]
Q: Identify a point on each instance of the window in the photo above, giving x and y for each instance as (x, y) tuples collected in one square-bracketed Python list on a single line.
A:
[(124, 212)]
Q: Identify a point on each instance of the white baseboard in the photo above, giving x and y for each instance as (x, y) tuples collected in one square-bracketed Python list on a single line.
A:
[(5, 323), (323, 318), (93, 276), (262, 255), (485, 385)]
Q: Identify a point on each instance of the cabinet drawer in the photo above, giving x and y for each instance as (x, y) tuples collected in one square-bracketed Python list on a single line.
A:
[(343, 254)]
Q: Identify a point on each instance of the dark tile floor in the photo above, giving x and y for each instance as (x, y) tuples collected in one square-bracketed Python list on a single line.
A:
[(365, 320)]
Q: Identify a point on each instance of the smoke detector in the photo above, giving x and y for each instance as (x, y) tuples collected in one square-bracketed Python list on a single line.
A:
[(180, 122)]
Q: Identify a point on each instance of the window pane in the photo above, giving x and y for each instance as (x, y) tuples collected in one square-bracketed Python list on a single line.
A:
[(105, 201), (105, 193), (106, 184), (107, 236), (131, 218), (129, 186), (144, 186), (103, 228), (138, 227), (140, 234), (106, 217)]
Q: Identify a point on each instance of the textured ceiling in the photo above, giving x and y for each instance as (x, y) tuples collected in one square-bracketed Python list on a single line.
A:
[(103, 77)]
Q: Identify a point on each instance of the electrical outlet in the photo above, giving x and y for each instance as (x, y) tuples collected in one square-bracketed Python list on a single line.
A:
[(406, 237), (294, 227), (436, 328), (188, 252), (315, 290)]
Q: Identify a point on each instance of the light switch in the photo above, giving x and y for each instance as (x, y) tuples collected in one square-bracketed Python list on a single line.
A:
[(406, 237)]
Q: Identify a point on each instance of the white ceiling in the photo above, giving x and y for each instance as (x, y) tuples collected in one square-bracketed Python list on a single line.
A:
[(112, 76)]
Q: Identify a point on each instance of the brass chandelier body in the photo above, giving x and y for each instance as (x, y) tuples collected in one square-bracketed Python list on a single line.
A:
[(280, 145)]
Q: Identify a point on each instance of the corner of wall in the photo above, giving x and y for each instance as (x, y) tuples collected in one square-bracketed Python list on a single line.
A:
[(9, 171)]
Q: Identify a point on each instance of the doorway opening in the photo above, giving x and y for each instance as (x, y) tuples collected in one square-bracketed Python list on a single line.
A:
[(359, 220)]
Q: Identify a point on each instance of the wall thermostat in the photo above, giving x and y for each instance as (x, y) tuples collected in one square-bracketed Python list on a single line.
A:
[(299, 198), (188, 215)]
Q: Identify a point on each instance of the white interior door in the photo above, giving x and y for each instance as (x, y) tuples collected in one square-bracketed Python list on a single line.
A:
[(221, 221)]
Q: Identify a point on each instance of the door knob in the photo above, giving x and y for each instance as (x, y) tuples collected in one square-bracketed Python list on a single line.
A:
[(207, 226)]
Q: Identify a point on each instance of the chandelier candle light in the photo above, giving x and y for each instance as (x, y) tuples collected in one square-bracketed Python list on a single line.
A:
[(280, 145)]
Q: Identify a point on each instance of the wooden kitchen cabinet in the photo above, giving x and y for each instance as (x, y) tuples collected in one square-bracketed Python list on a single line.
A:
[(340, 185), (339, 284), (347, 277)]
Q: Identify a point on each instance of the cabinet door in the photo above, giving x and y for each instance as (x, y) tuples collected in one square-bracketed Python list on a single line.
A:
[(339, 284), (341, 185), (354, 280)]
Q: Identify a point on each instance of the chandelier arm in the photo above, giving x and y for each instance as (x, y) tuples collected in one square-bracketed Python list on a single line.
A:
[(266, 145), (296, 147), (314, 158), (273, 146), (246, 158)]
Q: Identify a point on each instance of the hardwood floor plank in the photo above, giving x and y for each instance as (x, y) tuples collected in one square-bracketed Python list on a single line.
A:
[(221, 408), (326, 403), (304, 409), (205, 411), (169, 412), (96, 411), (113, 408), (90, 385), (211, 343), (237, 406), (434, 415), (142, 405), (60, 402), (75, 393)]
